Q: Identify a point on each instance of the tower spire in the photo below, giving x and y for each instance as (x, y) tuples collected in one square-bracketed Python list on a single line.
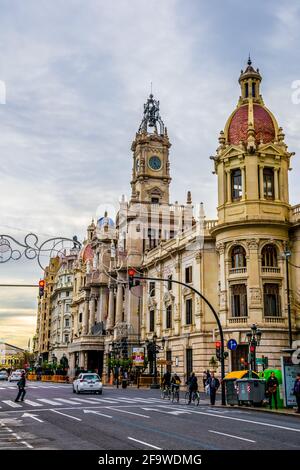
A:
[(151, 117)]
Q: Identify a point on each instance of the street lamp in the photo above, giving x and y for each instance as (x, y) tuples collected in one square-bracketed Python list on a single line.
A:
[(287, 255), (254, 338), (152, 350)]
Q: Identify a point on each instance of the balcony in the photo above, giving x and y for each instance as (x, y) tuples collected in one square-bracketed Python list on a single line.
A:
[(237, 320), (280, 320), (270, 270), (295, 214), (238, 270)]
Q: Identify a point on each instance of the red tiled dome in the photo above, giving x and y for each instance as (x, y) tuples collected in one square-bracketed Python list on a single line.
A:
[(88, 253), (263, 125)]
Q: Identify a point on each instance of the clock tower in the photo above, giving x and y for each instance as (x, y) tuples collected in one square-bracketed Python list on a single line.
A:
[(151, 168)]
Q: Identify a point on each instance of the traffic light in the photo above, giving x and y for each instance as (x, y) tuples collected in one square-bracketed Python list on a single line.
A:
[(41, 287), (131, 274), (218, 350)]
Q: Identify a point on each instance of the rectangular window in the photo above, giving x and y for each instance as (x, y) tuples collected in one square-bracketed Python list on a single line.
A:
[(67, 322), (189, 362), (170, 282), (152, 289), (155, 200), (268, 175), (239, 300), (189, 311), (246, 90), (253, 90), (272, 300), (188, 274), (80, 318), (66, 338), (169, 316), (236, 185), (169, 360), (151, 320)]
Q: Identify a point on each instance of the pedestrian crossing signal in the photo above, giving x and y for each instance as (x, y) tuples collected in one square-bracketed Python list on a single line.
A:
[(41, 288)]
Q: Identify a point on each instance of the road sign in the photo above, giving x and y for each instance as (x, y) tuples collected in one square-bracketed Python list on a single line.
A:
[(231, 344), (262, 361)]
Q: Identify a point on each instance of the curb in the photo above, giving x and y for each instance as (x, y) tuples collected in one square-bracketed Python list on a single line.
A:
[(246, 408)]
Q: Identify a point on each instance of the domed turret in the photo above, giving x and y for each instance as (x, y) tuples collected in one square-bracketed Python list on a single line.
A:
[(251, 118)]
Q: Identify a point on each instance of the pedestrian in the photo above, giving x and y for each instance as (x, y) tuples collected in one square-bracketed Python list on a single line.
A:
[(21, 385), (297, 392), (272, 386), (193, 385), (204, 378), (213, 385)]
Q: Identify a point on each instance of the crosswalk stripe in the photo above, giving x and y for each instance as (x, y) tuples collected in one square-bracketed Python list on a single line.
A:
[(11, 403), (49, 402), (84, 400), (32, 403), (64, 400)]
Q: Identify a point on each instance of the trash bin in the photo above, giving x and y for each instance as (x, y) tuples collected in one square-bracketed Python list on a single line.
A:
[(230, 385), (124, 383), (231, 392), (251, 391)]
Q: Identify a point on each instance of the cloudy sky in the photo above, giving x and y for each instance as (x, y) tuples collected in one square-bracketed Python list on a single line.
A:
[(74, 77)]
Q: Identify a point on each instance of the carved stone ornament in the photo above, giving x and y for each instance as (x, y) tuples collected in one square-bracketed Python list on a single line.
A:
[(168, 298), (253, 243), (220, 247), (152, 302), (255, 296)]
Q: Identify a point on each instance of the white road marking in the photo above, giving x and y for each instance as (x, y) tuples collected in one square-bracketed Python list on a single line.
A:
[(32, 403), (145, 443), (64, 400), (129, 412), (105, 400), (230, 435), (68, 416), (97, 413), (86, 400), (49, 402), (27, 445), (28, 415), (11, 403), (245, 420), (172, 412)]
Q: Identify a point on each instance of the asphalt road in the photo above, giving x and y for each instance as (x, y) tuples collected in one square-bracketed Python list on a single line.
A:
[(52, 417)]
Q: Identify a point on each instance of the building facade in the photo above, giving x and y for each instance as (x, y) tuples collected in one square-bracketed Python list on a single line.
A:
[(245, 262)]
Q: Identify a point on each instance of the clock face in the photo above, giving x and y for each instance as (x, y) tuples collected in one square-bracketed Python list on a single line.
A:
[(155, 163)]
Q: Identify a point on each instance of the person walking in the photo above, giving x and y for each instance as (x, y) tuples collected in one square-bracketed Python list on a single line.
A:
[(297, 392), (21, 385), (213, 384), (204, 378), (193, 385), (272, 386)]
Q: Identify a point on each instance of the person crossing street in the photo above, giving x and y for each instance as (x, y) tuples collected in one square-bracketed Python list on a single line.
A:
[(21, 385)]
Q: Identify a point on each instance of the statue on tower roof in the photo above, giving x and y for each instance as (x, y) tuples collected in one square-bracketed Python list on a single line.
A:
[(151, 117)]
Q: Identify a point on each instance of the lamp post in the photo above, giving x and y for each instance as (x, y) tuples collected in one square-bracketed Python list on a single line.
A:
[(253, 337), (152, 350), (287, 255)]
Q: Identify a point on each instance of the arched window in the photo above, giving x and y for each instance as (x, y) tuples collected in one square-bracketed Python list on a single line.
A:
[(238, 257), (269, 256)]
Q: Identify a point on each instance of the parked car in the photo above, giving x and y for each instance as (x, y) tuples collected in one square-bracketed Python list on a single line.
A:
[(15, 376), (3, 375), (87, 383)]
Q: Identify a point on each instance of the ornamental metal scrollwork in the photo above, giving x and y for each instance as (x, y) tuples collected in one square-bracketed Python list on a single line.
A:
[(13, 250)]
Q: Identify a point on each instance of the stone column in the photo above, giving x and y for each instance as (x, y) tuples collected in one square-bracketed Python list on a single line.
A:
[(119, 306), (111, 305), (228, 188), (92, 305), (276, 184), (85, 322), (243, 182), (261, 182)]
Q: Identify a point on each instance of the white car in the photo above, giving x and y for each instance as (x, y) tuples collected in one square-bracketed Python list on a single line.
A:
[(15, 376), (87, 383)]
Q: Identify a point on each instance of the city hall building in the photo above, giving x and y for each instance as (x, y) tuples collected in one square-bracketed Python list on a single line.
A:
[(245, 262)]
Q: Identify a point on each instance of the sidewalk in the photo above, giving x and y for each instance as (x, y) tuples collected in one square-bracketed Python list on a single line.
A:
[(282, 411)]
